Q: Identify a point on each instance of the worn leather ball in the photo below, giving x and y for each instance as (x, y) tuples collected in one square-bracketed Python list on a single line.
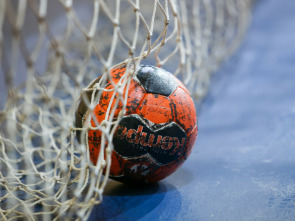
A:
[(157, 132)]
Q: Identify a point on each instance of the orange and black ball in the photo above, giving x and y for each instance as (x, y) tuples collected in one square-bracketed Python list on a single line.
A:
[(157, 132)]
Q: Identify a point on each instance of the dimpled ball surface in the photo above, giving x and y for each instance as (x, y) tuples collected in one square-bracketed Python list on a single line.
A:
[(157, 132)]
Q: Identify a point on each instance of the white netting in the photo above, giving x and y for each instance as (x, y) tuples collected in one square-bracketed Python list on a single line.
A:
[(51, 50)]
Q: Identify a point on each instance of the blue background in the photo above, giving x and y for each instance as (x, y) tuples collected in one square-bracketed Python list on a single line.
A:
[(243, 163)]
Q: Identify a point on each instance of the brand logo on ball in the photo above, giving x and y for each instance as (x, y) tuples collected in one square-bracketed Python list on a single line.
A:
[(134, 137)]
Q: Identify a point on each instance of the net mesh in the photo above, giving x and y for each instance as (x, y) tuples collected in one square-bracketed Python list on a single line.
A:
[(51, 50)]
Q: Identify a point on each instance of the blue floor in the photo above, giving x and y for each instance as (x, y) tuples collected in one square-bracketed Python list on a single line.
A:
[(243, 164)]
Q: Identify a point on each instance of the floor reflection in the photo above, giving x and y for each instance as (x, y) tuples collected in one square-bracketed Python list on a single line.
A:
[(127, 202)]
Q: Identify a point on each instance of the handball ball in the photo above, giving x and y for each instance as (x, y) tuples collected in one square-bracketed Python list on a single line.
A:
[(157, 132)]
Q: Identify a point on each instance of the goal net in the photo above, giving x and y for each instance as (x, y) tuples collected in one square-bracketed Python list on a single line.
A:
[(51, 50)]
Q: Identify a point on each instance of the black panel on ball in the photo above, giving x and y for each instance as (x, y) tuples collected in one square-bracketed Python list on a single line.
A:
[(156, 80), (135, 138)]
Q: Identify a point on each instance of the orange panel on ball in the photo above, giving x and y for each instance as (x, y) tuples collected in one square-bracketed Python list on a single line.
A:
[(180, 84), (185, 113), (117, 74), (94, 142), (190, 142), (156, 108), (135, 95), (94, 136), (106, 98)]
